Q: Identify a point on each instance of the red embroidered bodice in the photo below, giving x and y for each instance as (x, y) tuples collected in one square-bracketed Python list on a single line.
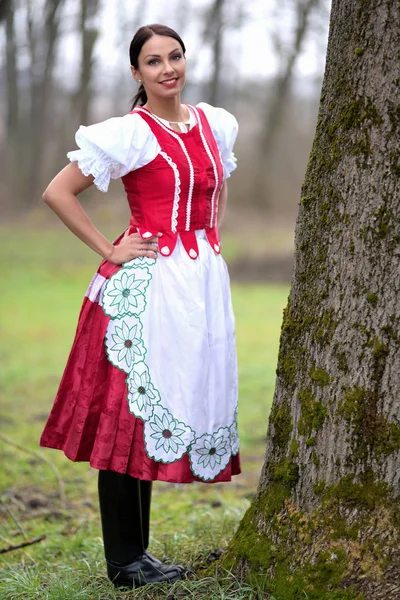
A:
[(177, 192)]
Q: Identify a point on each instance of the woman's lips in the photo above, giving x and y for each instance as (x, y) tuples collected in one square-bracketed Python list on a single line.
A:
[(169, 82)]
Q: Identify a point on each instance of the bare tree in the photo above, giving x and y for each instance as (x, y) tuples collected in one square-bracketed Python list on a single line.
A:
[(325, 522), (42, 49), (7, 12), (213, 35), (9, 152), (89, 34), (128, 27), (183, 16), (276, 104), (4, 8)]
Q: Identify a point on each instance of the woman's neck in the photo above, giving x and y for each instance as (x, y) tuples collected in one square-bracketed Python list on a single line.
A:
[(171, 110)]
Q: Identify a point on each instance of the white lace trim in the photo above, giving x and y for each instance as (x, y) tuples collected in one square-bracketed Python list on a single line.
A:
[(93, 161), (191, 170), (177, 193), (230, 164), (210, 156)]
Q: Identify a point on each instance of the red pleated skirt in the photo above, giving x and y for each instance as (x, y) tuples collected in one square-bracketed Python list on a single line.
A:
[(90, 420)]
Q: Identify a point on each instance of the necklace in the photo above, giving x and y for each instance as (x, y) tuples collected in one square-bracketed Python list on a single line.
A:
[(175, 122), (184, 126), (179, 123)]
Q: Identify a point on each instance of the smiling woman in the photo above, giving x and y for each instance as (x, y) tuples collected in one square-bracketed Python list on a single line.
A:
[(150, 388), (158, 61)]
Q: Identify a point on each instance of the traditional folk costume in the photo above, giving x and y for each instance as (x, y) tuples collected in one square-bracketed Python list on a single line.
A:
[(150, 387)]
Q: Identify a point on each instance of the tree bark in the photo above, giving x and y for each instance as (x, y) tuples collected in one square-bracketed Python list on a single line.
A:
[(325, 521)]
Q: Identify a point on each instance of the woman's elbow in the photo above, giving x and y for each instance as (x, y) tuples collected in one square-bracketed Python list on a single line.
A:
[(46, 196), (49, 195)]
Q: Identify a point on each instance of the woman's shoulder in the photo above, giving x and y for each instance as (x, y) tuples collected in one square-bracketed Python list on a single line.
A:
[(225, 129), (120, 138), (115, 128), (114, 147)]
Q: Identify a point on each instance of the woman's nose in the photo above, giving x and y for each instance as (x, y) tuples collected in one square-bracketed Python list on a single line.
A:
[(168, 68)]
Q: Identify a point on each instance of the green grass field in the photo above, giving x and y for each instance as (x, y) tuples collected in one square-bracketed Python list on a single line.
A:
[(44, 277)]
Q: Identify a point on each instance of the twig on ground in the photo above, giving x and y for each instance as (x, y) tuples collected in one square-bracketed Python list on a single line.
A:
[(22, 544), (18, 503), (6, 540), (14, 518), (60, 481)]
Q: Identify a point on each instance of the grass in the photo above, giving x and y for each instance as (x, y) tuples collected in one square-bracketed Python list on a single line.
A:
[(45, 273)]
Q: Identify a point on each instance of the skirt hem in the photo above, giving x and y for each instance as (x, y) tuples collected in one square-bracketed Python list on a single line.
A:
[(222, 477)]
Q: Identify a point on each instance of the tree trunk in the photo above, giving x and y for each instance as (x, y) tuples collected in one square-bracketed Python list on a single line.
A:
[(325, 521), (214, 35), (89, 33), (9, 155), (127, 28), (11, 74), (42, 46)]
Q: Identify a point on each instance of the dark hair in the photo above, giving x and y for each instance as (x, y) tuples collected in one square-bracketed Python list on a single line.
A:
[(140, 38)]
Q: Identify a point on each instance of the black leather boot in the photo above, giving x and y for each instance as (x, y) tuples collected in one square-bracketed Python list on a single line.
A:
[(125, 518)]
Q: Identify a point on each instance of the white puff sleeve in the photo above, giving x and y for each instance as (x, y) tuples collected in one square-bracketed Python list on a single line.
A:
[(225, 129), (113, 148)]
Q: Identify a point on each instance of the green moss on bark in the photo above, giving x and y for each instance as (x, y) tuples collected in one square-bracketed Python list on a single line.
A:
[(319, 376), (382, 225), (312, 416), (327, 325), (366, 493), (394, 115), (372, 435), (341, 358), (275, 559), (291, 359), (311, 555), (372, 299), (281, 421), (359, 114)]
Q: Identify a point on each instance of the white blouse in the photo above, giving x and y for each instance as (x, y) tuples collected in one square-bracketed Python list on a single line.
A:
[(113, 148)]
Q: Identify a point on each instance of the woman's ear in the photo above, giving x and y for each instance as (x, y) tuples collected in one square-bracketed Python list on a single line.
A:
[(135, 75)]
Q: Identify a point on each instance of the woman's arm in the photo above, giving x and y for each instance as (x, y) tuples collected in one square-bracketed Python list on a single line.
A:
[(61, 196), (223, 198)]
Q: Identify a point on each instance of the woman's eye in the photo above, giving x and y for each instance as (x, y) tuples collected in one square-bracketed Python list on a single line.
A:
[(153, 62), (177, 57)]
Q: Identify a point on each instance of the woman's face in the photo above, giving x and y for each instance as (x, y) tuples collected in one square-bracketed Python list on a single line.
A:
[(162, 67)]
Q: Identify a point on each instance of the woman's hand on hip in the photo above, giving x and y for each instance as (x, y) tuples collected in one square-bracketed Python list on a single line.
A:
[(132, 246)]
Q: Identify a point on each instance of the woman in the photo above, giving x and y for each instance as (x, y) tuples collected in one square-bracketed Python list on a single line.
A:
[(150, 388)]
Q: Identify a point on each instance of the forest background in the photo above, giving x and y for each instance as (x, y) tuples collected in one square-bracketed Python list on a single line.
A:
[(64, 63)]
